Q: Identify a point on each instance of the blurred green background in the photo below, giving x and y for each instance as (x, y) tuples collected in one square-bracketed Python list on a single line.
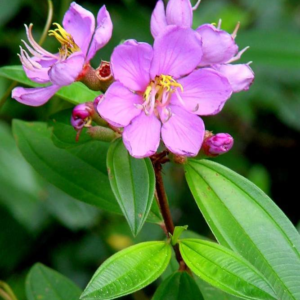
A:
[(38, 222)]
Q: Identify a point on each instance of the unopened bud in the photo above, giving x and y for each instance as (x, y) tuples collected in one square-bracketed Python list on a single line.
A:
[(217, 144), (81, 116)]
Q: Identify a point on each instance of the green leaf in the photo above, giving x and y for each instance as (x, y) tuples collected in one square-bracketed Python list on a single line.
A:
[(75, 93), (246, 220), (45, 283), (21, 191), (178, 286), (133, 182), (177, 233), (128, 271), (80, 172), (63, 134), (224, 269), (210, 292), (72, 173)]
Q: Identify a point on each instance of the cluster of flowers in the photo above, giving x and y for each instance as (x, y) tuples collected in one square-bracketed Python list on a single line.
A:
[(159, 91)]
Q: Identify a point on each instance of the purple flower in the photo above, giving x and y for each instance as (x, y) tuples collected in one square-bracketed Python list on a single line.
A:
[(218, 144), (219, 49), (178, 12), (159, 92), (79, 40)]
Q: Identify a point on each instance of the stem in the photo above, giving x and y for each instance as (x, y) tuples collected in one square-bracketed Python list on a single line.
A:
[(48, 22), (162, 199), (164, 205)]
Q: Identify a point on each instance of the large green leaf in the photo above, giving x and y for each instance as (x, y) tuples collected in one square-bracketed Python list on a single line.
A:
[(225, 270), (21, 191), (133, 183), (128, 271), (178, 286), (63, 133), (71, 173), (210, 292), (80, 172), (75, 93), (45, 283), (246, 220)]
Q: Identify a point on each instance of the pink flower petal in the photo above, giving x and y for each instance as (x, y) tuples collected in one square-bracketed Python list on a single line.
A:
[(177, 52), (240, 76), (218, 45), (34, 96), (183, 133), (142, 136), (180, 12), (205, 92), (65, 72), (158, 19), (40, 75), (80, 23), (131, 63), (102, 34), (118, 105)]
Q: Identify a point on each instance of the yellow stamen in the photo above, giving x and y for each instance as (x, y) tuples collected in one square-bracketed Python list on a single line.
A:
[(147, 92), (158, 93), (169, 82), (68, 46)]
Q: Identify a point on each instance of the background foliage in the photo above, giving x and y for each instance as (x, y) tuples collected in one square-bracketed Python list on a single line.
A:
[(40, 223)]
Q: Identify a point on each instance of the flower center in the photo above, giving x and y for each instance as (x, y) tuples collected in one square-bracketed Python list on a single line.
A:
[(158, 94), (68, 46)]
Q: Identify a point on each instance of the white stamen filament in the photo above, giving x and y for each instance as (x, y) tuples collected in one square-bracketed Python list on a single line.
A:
[(25, 55), (219, 24), (235, 31), (179, 98), (238, 56), (35, 45), (196, 5), (168, 112)]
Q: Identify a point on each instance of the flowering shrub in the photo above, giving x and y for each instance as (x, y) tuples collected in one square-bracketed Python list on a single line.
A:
[(137, 113)]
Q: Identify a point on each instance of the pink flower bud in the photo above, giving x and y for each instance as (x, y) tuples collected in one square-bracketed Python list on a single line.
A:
[(217, 144), (97, 100), (81, 116)]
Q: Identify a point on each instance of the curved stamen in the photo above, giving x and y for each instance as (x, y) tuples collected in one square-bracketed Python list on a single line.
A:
[(196, 5), (238, 56), (236, 29), (25, 55), (34, 44)]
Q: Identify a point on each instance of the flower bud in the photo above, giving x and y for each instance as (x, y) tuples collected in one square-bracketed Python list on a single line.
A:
[(217, 144), (82, 116)]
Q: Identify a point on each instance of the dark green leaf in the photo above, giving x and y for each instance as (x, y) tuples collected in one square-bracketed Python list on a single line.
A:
[(80, 172), (63, 134), (21, 191), (133, 182), (246, 220), (72, 173), (45, 283), (75, 93), (224, 269), (128, 271), (178, 286)]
